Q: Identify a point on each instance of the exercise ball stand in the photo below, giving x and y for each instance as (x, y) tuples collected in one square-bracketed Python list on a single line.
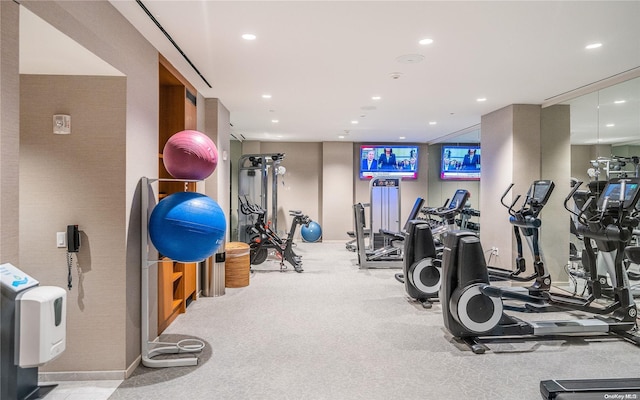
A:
[(150, 349)]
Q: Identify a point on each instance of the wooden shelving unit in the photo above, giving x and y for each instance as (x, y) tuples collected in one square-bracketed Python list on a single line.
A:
[(177, 110)]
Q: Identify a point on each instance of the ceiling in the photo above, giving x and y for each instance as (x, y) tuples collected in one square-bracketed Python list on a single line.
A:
[(323, 61)]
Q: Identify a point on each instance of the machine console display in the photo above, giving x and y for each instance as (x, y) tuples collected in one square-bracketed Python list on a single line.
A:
[(459, 199), (613, 189), (540, 191)]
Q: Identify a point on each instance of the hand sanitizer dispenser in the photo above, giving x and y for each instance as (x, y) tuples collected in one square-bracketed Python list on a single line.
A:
[(40, 325)]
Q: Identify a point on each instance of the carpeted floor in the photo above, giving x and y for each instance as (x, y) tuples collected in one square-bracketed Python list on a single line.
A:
[(338, 332)]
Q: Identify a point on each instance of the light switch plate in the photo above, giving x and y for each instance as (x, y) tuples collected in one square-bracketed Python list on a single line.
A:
[(61, 239)]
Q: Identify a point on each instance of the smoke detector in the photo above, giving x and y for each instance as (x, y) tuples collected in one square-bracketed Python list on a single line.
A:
[(410, 58)]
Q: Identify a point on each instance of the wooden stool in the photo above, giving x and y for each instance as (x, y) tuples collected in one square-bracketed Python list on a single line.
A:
[(237, 265)]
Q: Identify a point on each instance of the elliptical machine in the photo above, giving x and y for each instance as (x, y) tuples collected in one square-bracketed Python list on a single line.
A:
[(473, 309), (526, 219), (264, 238), (421, 269)]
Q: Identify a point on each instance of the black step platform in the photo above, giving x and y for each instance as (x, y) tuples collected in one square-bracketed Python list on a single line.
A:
[(591, 389)]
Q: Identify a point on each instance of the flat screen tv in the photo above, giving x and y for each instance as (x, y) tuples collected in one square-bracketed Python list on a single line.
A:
[(460, 163), (400, 161)]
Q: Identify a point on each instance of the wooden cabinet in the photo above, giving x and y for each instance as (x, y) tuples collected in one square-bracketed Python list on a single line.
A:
[(176, 287), (189, 274), (169, 293), (177, 112)]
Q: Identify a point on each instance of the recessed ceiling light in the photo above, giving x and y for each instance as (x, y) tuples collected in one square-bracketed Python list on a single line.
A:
[(481, 99), (266, 96), (432, 122), (354, 122), (275, 121), (375, 97), (592, 46), (341, 137), (619, 101), (249, 36), (402, 137), (610, 125), (425, 41)]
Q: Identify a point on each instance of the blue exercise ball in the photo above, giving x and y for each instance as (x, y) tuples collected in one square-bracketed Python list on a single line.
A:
[(311, 232), (187, 226)]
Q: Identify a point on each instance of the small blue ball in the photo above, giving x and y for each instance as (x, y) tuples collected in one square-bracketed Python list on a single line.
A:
[(311, 232), (187, 226)]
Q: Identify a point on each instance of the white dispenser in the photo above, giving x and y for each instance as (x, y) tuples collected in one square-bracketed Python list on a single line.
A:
[(41, 315)]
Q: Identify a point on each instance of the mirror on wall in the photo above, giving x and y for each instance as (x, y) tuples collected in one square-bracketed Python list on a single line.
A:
[(442, 182), (605, 144), (605, 124)]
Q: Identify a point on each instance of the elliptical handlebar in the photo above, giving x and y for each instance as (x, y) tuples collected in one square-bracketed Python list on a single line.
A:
[(570, 196), (505, 195), (513, 203), (511, 212)]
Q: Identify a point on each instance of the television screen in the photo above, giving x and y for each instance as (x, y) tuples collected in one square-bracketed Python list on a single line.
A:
[(388, 160), (460, 163)]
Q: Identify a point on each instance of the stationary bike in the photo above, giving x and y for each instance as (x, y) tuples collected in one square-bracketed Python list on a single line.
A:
[(265, 238), (473, 309)]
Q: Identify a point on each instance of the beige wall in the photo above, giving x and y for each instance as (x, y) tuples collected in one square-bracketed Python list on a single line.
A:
[(9, 132), (555, 151), (497, 166), (300, 187), (337, 190), (217, 127), (101, 29), (77, 179), (522, 143), (580, 162), (510, 154), (234, 155)]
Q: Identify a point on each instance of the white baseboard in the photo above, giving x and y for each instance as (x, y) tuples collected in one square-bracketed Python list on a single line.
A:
[(81, 376), (89, 375)]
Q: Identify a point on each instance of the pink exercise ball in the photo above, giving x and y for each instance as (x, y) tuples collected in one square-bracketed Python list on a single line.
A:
[(190, 155)]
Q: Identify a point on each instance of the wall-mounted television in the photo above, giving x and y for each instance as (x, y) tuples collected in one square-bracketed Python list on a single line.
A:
[(389, 160), (460, 163)]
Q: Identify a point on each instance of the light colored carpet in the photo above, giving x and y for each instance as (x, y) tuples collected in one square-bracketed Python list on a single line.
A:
[(338, 332)]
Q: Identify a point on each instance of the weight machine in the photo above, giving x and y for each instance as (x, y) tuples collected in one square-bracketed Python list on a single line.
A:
[(255, 171)]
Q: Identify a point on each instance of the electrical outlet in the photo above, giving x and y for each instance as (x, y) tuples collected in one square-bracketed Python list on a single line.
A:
[(494, 251)]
